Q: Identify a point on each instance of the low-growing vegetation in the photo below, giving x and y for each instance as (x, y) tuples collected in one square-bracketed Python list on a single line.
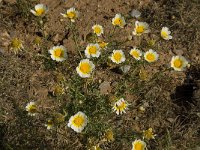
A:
[(100, 75)]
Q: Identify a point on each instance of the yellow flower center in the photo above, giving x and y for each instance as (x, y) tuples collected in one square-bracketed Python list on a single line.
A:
[(138, 146), (71, 15), (150, 57), (97, 30), (85, 68), (118, 21), (164, 34), (32, 109), (140, 29), (135, 54), (122, 106), (92, 50), (58, 52), (78, 121), (117, 56), (40, 11), (178, 63), (16, 44)]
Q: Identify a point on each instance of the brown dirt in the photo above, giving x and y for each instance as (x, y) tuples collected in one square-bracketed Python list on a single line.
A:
[(172, 101)]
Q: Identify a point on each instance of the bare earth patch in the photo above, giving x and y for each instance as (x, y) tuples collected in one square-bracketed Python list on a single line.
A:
[(171, 99)]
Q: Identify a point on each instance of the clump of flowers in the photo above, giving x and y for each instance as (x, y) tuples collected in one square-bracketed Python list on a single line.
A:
[(151, 56), (179, 63), (85, 68), (78, 122), (136, 53), (92, 50), (72, 14), (118, 56), (97, 29), (120, 106), (40, 10), (138, 145), (140, 28), (16, 45), (148, 134), (31, 108), (165, 33), (58, 53), (49, 124), (119, 20)]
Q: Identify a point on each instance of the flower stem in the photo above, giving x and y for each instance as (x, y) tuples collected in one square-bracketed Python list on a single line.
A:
[(75, 39)]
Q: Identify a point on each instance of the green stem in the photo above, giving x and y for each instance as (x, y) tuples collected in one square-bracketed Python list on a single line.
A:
[(75, 39)]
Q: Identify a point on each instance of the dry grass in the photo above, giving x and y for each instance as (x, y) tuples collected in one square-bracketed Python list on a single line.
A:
[(171, 99)]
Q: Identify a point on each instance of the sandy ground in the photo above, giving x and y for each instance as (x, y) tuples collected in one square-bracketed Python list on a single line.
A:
[(171, 100)]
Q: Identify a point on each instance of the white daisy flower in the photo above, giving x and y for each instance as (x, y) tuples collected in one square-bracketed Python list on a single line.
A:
[(139, 145), (140, 28), (92, 50), (135, 13), (136, 53), (165, 33), (31, 108), (120, 106), (85, 68), (58, 53), (97, 29), (72, 14), (119, 20), (179, 63), (40, 10), (151, 56), (78, 122), (118, 56)]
